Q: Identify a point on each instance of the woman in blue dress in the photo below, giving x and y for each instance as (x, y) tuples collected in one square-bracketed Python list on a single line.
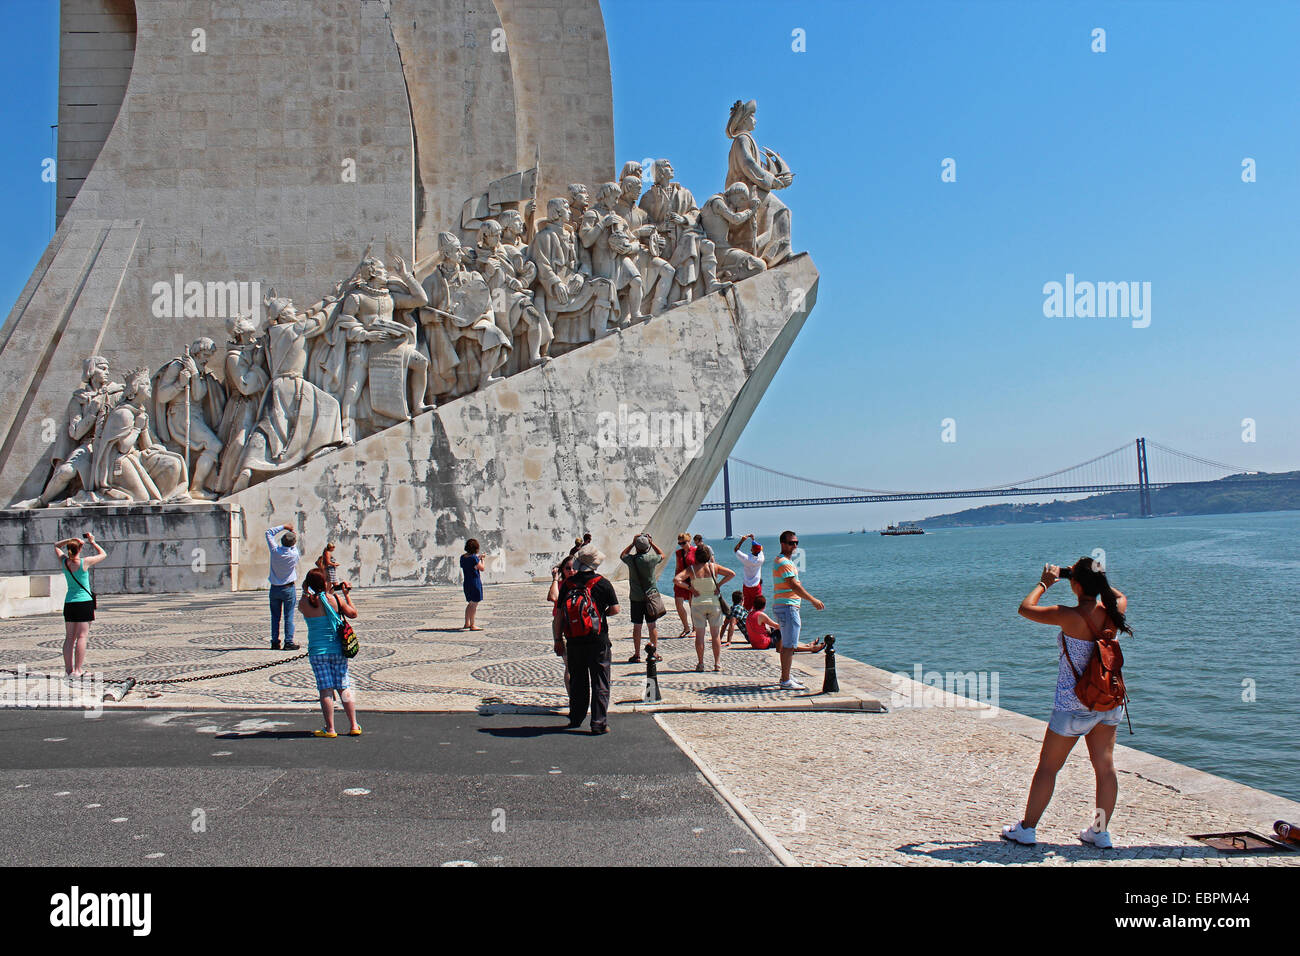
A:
[(471, 565)]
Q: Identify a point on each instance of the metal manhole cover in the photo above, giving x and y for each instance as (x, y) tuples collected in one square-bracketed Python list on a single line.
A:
[(1238, 842)]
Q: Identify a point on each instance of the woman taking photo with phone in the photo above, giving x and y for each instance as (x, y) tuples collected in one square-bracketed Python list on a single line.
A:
[(324, 609), (1098, 615), (79, 605)]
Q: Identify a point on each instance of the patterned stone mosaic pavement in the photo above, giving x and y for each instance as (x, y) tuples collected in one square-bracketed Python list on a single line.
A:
[(414, 655), (914, 786)]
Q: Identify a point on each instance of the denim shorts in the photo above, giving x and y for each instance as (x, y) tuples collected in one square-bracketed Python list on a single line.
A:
[(1076, 723), (787, 618)]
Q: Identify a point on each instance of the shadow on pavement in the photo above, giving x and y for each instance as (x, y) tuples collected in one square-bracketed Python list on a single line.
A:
[(531, 731), (1001, 851)]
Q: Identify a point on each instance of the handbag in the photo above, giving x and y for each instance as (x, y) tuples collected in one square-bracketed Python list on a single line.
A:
[(348, 639), (654, 601), (94, 601)]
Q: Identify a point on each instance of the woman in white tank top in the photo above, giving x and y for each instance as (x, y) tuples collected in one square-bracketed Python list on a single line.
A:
[(1100, 609)]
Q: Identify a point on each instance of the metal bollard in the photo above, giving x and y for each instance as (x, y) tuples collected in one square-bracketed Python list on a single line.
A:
[(830, 683), (651, 695)]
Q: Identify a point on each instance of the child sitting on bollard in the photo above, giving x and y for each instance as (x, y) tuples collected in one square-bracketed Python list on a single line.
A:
[(734, 618)]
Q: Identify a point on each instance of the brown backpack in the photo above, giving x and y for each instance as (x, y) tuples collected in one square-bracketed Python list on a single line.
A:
[(1101, 685)]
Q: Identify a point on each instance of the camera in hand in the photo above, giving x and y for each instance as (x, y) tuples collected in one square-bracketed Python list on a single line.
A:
[(1064, 572)]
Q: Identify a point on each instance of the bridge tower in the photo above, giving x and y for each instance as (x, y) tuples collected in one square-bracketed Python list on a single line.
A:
[(1144, 479), (726, 497)]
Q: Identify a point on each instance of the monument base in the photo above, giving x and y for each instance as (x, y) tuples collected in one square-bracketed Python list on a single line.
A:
[(152, 549)]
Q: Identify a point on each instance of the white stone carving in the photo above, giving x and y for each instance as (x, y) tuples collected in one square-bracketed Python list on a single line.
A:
[(384, 347)]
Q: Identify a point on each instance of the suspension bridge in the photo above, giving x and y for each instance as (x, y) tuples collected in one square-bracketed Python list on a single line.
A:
[(1130, 467)]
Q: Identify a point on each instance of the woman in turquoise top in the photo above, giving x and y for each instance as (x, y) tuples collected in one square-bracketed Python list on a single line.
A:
[(79, 605), (324, 608)]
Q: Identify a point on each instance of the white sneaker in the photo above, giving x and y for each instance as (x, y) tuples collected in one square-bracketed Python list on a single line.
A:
[(1098, 838), (1016, 833), (792, 684)]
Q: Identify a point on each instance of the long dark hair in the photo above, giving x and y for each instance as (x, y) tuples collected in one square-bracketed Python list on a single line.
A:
[(314, 585), (1092, 579)]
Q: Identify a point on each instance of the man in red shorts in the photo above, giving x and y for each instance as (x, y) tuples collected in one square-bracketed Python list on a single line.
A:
[(752, 580)]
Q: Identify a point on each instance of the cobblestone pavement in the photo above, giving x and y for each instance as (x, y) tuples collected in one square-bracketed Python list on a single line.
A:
[(934, 786), (414, 655)]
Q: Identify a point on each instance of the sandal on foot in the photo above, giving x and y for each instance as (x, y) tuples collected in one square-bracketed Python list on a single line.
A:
[(354, 732), (699, 668), (323, 733), (716, 669), (634, 659)]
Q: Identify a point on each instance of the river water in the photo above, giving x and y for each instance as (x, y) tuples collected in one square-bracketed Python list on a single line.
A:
[(1213, 667)]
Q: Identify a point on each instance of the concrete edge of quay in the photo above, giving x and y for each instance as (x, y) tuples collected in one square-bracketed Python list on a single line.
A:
[(764, 836)]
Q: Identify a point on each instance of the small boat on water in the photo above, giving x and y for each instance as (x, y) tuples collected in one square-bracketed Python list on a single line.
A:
[(906, 527)]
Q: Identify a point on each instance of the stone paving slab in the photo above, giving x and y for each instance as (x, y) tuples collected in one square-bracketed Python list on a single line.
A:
[(933, 786), (414, 656)]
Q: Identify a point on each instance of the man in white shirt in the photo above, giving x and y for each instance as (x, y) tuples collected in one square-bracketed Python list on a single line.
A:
[(283, 580), (752, 580)]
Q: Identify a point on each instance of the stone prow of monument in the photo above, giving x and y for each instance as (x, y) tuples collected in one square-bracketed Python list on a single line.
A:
[(622, 435)]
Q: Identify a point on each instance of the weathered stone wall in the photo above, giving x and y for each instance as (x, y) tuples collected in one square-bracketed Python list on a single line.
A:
[(528, 463), (96, 49), (151, 549)]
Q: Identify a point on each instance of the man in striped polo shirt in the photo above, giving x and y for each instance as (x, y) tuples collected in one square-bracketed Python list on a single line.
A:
[(787, 595)]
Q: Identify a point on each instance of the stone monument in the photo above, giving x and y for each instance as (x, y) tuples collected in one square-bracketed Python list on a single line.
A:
[(507, 385)]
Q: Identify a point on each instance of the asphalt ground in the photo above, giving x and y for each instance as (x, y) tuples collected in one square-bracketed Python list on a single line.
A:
[(256, 789)]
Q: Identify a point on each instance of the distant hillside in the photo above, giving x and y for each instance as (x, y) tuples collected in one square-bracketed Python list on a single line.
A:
[(1218, 498)]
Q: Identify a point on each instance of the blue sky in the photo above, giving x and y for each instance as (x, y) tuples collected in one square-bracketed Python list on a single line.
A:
[(1115, 166)]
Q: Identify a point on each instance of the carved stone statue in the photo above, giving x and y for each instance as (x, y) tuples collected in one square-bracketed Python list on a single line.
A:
[(726, 219), (656, 273), (185, 418), (128, 464), (246, 377), (460, 298), (386, 375), (509, 273), (614, 252), (579, 203), (74, 455), (297, 420), (692, 255), (573, 301), (763, 172)]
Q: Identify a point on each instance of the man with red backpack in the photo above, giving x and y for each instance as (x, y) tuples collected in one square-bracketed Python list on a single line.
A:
[(581, 627)]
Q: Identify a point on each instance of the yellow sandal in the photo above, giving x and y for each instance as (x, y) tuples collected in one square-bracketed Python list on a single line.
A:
[(323, 733)]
